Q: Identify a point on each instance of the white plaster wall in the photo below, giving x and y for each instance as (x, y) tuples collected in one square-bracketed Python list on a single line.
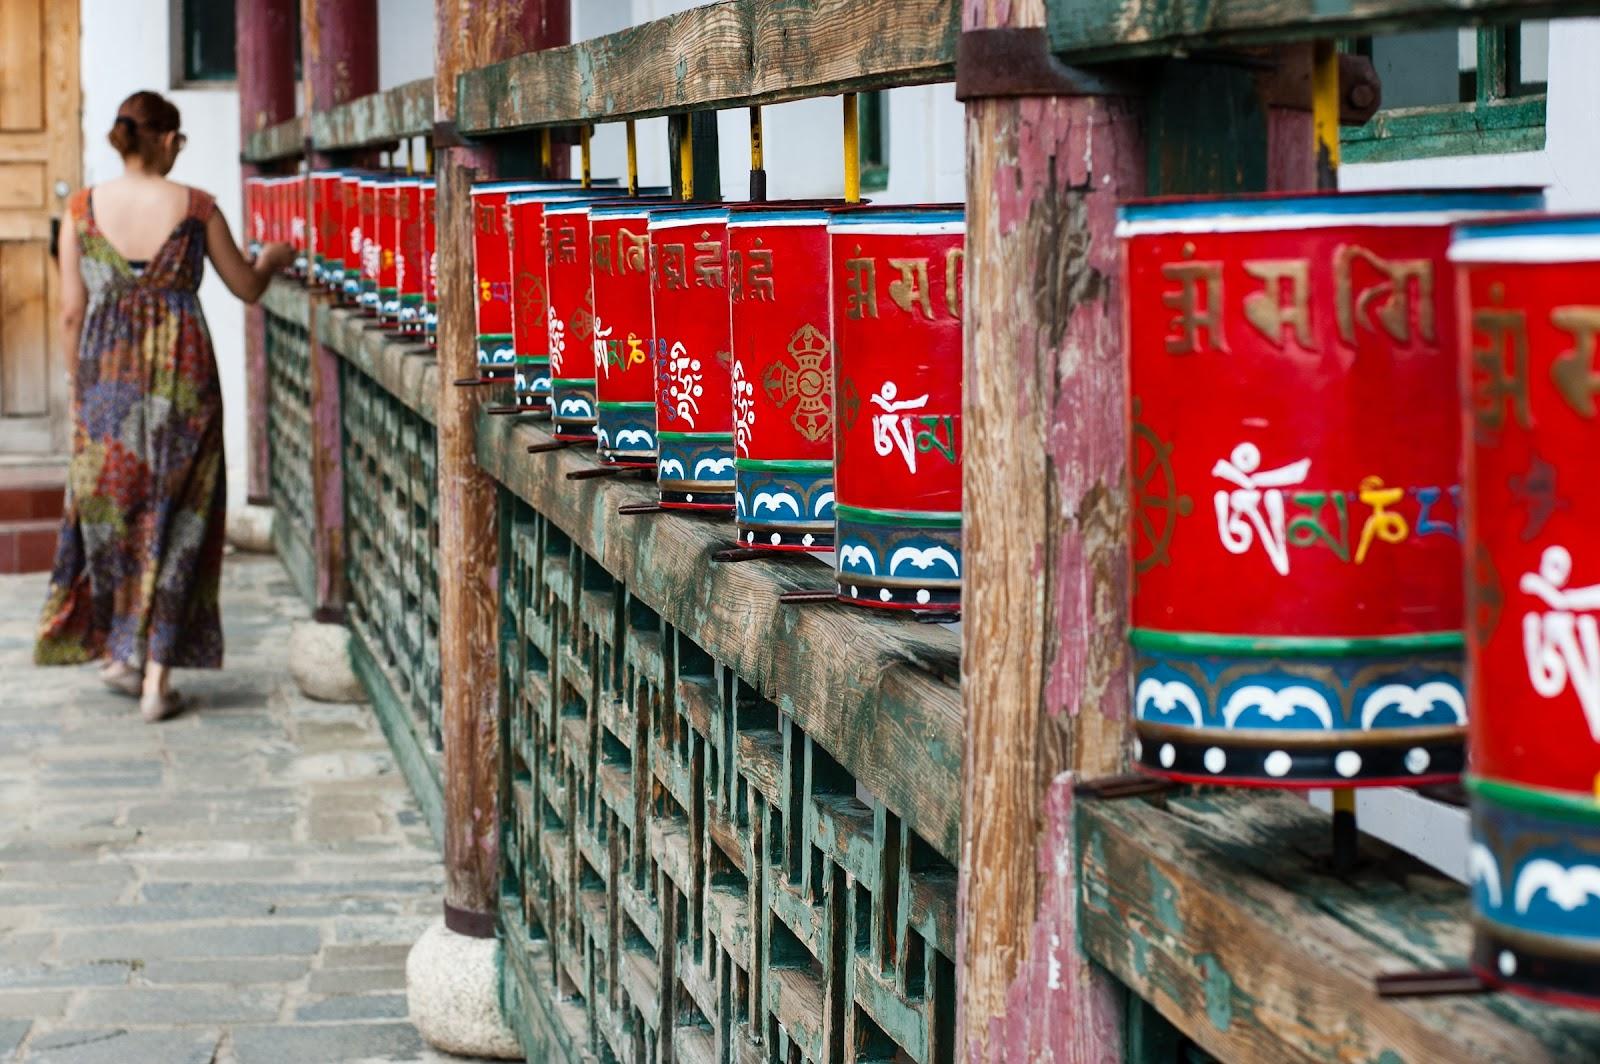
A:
[(405, 41), (125, 47)]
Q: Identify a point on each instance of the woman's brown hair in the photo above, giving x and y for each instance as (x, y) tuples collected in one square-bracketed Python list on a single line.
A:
[(142, 120)]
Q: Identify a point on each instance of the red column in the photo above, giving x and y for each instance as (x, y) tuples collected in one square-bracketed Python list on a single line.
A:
[(265, 35), (339, 50)]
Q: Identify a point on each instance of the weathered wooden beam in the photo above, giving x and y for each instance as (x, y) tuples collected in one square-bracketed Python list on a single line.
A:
[(717, 55), (376, 119), (470, 33), (403, 368), (879, 693), (1094, 30), (286, 140), (1221, 910)]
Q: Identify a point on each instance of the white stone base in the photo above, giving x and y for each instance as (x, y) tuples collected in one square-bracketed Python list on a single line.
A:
[(319, 661), (453, 988), (250, 528)]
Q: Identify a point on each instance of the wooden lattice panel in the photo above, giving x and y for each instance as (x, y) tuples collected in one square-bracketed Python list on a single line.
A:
[(392, 546), (689, 875), (289, 434)]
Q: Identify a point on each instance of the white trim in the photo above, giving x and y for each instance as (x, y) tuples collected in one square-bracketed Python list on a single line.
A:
[(900, 228), (1527, 249), (1255, 223)]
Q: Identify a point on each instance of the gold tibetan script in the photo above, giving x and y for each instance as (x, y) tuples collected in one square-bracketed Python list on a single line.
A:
[(708, 271), (1394, 310), (1573, 371), (861, 287), (633, 247), (670, 261), (1194, 313), (1266, 309), (911, 288), (1496, 382), (955, 265)]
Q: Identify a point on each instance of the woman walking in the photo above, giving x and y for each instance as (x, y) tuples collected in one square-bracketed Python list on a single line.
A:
[(139, 558)]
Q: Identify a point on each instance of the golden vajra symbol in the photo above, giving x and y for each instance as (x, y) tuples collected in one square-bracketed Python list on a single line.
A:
[(805, 380)]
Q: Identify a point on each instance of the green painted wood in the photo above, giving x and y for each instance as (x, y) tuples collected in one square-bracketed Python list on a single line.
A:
[(1430, 132), (714, 56), (1221, 911), (419, 765), (288, 357), (286, 140), (403, 368), (376, 120), (289, 300), (295, 554), (880, 693), (688, 868), (1096, 30), (1205, 130)]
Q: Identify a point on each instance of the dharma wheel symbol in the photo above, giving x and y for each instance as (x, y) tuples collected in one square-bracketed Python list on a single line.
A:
[(804, 382), (1157, 505)]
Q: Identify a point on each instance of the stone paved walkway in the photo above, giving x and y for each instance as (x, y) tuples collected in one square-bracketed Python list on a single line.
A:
[(238, 885)]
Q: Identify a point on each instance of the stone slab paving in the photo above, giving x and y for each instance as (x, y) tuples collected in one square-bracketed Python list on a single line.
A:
[(239, 885)]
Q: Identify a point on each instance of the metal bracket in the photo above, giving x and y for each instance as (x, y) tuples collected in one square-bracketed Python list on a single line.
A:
[(596, 472), (740, 554), (1131, 785), (629, 509), (1430, 984), (548, 446), (1018, 62), (801, 598), (1360, 90), (446, 135)]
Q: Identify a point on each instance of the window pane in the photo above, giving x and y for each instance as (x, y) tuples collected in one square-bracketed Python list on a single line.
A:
[(1530, 67), (1427, 68), (208, 31)]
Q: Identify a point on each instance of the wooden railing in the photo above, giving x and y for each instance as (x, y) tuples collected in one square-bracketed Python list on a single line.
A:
[(379, 120)]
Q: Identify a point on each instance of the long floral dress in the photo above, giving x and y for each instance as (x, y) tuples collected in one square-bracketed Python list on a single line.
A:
[(140, 553)]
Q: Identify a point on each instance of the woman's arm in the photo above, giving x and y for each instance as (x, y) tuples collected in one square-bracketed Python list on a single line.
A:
[(74, 296), (244, 278)]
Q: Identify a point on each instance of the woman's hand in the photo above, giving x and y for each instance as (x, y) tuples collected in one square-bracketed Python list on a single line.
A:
[(274, 257)]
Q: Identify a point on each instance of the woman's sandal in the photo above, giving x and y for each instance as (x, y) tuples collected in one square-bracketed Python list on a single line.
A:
[(155, 710), (123, 679)]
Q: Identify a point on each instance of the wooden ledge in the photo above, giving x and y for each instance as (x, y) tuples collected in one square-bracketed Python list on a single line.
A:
[(405, 367), (717, 55), (286, 140), (1218, 909), (373, 121), (880, 694), (289, 299)]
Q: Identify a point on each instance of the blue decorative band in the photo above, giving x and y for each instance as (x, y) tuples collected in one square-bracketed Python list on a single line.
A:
[(903, 566)]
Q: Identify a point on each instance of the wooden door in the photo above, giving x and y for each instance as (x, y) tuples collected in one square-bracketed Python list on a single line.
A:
[(40, 165)]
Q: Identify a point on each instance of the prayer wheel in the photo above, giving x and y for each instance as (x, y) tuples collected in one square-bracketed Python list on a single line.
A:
[(897, 276), (430, 261), (531, 309), (371, 242), (1528, 300), (299, 239), (327, 247), (572, 324), (350, 223), (255, 215), (388, 250), (783, 418), (408, 254), (694, 357), (1295, 467), (624, 342)]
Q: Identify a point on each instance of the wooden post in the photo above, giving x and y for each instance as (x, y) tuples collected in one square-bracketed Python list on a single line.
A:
[(1043, 667), (265, 36), (470, 33), (1045, 512), (339, 56)]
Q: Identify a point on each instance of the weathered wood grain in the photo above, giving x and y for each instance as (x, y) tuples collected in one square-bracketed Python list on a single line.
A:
[(878, 693), (376, 119), (286, 140), (1085, 30), (717, 55), (289, 300), (1220, 910)]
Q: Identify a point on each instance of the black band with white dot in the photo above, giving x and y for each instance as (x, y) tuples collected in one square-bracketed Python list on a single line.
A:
[(1214, 757), (1513, 966), (942, 598)]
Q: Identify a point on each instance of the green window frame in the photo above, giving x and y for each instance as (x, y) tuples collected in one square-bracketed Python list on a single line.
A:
[(872, 118), (1501, 115), (203, 42)]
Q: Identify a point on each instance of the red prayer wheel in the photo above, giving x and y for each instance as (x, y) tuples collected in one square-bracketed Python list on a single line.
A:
[(408, 253), (299, 196), (255, 215), (530, 302), (354, 243), (624, 345), (1528, 304), (430, 261), (388, 250), (897, 276), (694, 357), (371, 243), (783, 418), (491, 255), (1296, 591), (326, 240), (572, 335)]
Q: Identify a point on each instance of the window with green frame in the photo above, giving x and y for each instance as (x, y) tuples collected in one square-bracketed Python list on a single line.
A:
[(204, 40), (872, 115), (1455, 92)]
